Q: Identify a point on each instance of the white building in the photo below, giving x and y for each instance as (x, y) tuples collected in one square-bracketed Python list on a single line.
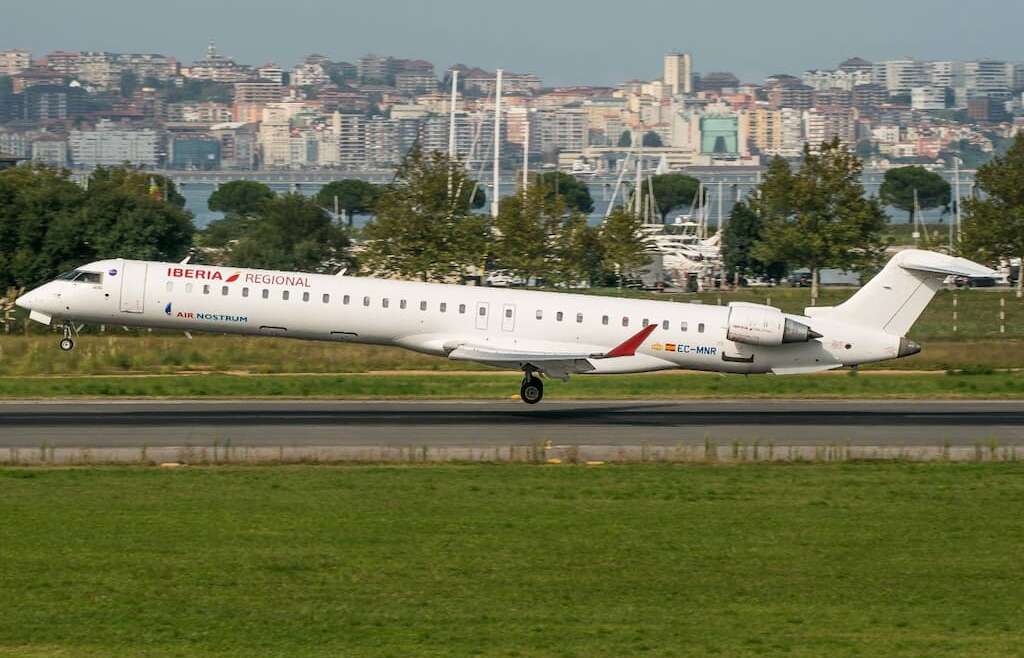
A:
[(677, 73), (271, 73), (110, 146), (51, 151), (899, 76), (929, 98)]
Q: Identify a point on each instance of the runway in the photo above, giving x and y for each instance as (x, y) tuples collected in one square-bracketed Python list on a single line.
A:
[(104, 424)]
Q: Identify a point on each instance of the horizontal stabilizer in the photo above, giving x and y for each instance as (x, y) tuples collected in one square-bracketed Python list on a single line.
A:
[(935, 263), (894, 299)]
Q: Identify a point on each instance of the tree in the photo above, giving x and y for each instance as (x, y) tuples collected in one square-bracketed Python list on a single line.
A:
[(580, 252), (291, 232), (625, 139), (354, 197), (899, 186), (420, 230), (527, 227), (135, 182), (49, 224), (624, 245), (823, 218), (652, 139), (240, 197), (993, 226), (738, 239), (673, 191), (573, 190)]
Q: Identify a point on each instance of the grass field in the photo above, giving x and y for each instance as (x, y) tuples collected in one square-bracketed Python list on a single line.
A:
[(495, 386), (809, 560)]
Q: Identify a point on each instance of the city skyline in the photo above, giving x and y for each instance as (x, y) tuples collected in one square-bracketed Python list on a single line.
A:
[(572, 45)]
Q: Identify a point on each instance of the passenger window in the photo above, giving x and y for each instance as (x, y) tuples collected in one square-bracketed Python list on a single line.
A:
[(700, 328), (366, 301), (579, 318), (559, 316), (346, 299), (625, 322), (284, 295), (224, 291), (604, 319), (540, 314), (684, 327), (402, 304), (444, 307), (462, 309), (266, 294), (423, 306), (645, 323), (483, 311), (385, 302), (206, 288), (327, 299), (305, 296), (245, 292), (508, 313), (664, 325), (188, 287), (170, 286)]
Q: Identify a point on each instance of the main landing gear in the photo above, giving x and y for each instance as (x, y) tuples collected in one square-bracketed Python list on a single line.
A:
[(67, 343), (532, 390)]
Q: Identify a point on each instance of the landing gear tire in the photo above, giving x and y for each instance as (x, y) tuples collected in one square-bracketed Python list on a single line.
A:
[(67, 344), (532, 390)]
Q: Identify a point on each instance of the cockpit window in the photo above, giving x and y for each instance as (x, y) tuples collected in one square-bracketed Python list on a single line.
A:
[(83, 277)]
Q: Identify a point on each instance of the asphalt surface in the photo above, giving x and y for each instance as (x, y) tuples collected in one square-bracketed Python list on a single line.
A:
[(105, 424)]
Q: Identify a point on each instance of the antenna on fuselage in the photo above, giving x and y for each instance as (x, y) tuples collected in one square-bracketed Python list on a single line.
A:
[(186, 260)]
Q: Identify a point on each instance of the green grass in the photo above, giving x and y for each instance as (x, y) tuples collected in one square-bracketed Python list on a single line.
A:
[(492, 386), (803, 560)]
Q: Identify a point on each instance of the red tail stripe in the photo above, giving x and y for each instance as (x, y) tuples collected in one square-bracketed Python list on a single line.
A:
[(629, 347)]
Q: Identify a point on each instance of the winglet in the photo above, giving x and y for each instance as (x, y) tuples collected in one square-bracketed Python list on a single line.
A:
[(629, 347)]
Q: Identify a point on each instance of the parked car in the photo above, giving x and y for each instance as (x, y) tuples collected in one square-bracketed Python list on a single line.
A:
[(800, 279), (503, 279), (975, 281)]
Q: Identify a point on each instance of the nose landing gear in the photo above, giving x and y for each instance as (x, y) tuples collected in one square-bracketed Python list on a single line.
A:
[(67, 343), (532, 390)]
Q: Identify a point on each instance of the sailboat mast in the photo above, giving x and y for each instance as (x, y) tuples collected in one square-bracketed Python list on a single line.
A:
[(497, 144), (451, 128), (526, 151)]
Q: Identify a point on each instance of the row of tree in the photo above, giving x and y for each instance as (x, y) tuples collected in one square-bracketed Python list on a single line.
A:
[(424, 226), (820, 217)]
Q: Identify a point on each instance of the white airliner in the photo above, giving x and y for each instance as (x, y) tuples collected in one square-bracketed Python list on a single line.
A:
[(541, 333)]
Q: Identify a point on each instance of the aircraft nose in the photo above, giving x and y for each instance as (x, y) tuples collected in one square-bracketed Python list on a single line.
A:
[(28, 300)]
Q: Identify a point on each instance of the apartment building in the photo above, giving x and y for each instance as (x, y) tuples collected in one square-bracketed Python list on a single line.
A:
[(110, 145), (677, 73), (15, 61)]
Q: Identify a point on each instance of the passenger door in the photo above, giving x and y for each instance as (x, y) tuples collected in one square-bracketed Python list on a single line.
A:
[(482, 314), (508, 317), (133, 286)]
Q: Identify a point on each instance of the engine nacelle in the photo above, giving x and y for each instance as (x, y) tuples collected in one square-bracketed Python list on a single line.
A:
[(754, 324)]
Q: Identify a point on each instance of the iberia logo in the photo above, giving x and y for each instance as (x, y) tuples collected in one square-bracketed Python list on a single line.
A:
[(200, 274)]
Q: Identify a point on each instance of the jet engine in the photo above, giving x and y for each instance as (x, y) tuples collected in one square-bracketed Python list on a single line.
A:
[(755, 324)]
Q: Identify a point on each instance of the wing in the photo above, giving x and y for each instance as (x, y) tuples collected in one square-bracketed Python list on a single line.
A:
[(559, 364)]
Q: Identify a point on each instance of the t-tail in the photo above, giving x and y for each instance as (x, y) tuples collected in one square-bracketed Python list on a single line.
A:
[(895, 298)]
